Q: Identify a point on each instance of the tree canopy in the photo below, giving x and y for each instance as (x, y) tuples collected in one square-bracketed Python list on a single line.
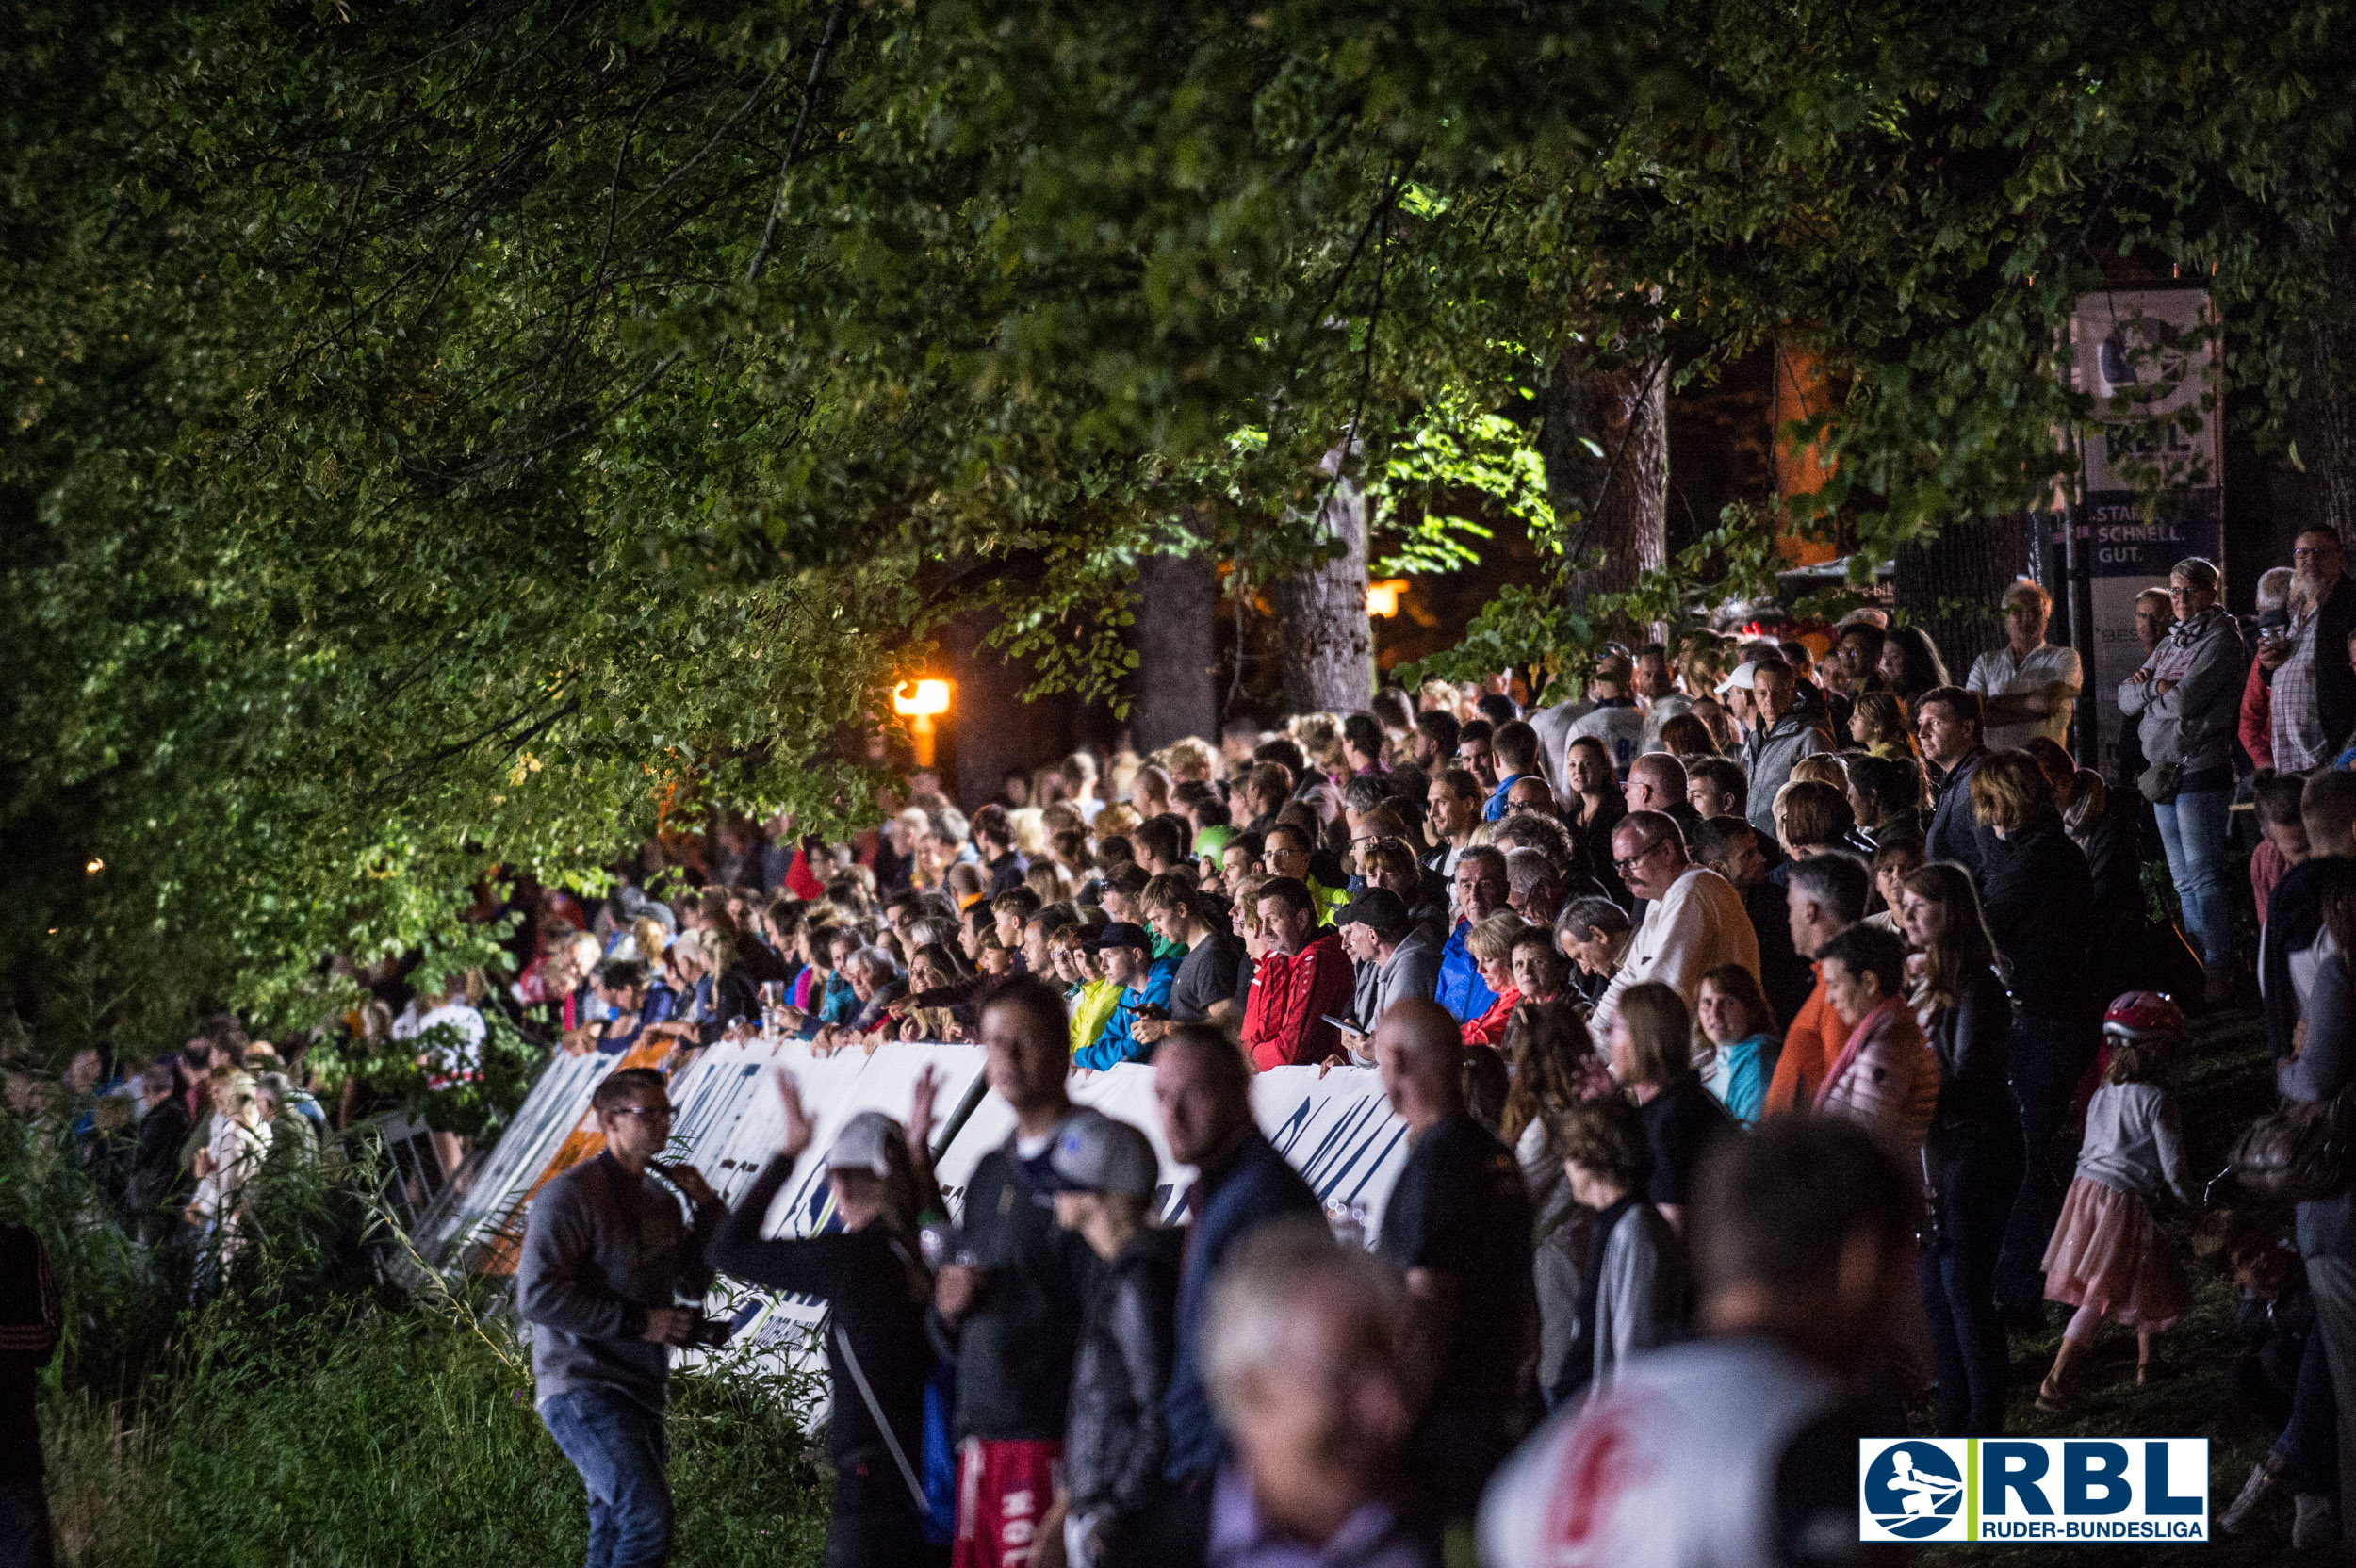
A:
[(445, 432)]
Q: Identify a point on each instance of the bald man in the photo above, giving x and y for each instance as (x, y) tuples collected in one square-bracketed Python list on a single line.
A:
[(1458, 1224)]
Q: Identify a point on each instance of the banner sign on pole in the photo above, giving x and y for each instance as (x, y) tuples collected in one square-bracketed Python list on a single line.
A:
[(2153, 463)]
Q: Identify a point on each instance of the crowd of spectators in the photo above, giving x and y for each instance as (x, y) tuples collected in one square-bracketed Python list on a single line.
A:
[(1747, 1009)]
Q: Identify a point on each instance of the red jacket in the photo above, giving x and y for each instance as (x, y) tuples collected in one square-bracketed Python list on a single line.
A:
[(1284, 1022), (1489, 1028), (2257, 716)]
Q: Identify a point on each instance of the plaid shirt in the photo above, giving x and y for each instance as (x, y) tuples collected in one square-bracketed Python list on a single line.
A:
[(2300, 740)]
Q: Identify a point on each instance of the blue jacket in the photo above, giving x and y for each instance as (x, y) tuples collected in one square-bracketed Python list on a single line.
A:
[(1254, 1188), (1495, 811), (1462, 990), (1115, 1043)]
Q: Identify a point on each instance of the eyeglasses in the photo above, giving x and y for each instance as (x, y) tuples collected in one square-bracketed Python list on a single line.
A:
[(1626, 864), (2302, 552), (663, 1112)]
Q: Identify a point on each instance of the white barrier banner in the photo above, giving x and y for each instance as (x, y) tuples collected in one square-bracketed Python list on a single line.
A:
[(556, 1103)]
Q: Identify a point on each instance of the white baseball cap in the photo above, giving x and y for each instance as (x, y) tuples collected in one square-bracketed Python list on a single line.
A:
[(1741, 677), (865, 1144)]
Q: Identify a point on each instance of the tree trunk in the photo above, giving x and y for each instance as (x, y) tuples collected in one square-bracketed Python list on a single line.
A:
[(1321, 612), (2324, 420), (1605, 441), (1954, 587), (1177, 692)]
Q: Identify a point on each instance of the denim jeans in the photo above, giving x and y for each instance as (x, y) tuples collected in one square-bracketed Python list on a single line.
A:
[(2334, 1281), (2309, 1444), (618, 1446), (2192, 828), (1977, 1181)]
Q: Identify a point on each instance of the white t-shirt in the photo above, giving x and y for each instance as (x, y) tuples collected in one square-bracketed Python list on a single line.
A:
[(464, 1047), (1685, 1461), (2000, 674)]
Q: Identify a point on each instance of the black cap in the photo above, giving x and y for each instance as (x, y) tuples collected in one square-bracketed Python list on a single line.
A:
[(1121, 933), (1378, 907)]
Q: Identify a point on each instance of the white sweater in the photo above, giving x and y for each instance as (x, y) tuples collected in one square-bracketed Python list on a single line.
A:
[(1698, 925)]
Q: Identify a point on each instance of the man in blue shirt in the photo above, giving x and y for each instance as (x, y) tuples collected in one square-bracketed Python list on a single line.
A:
[(1124, 956), (1480, 891), (1203, 1091), (1516, 748)]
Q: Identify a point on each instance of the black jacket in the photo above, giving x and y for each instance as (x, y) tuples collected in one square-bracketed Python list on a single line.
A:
[(2335, 678), (1955, 833), (2038, 897), (2293, 917), (1015, 1348), (1783, 974), (877, 1332), (1972, 1040), (157, 1176), (1114, 1445)]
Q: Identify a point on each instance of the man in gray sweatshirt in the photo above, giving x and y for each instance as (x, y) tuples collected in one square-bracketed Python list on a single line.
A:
[(607, 1254)]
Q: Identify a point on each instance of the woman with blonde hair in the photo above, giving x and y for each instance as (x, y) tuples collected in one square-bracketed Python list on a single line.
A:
[(1823, 768), (1652, 1058), (2038, 897), (233, 1154), (1491, 944)]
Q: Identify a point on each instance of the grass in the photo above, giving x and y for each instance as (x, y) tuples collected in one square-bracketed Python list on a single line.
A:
[(2228, 1083), (397, 1438)]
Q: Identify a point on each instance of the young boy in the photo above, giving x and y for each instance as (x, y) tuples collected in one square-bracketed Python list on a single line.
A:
[(1104, 1173)]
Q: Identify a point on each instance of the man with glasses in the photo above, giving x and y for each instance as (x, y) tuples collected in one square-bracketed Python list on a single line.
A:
[(2312, 689), (1694, 920), (606, 1255)]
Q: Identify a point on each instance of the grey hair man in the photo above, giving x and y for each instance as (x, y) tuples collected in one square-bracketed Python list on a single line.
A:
[(1303, 1350)]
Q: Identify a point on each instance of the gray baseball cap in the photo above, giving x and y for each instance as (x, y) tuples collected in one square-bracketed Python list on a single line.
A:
[(1095, 1153), (865, 1144)]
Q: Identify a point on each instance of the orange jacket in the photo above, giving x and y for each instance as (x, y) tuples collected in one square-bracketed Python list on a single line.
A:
[(1811, 1046)]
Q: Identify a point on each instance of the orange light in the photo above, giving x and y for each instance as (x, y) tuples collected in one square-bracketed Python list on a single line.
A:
[(928, 700), (1383, 598), (920, 705), (93, 866)]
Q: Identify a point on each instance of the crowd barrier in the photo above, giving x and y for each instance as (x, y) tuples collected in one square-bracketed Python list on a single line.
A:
[(1334, 1127)]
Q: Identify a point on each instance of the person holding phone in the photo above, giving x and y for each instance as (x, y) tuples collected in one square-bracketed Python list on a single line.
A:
[(606, 1255), (1394, 958)]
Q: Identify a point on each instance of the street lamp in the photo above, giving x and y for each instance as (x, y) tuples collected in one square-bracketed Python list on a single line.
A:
[(1383, 598), (920, 702)]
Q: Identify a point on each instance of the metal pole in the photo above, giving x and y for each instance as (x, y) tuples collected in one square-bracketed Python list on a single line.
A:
[(2078, 582)]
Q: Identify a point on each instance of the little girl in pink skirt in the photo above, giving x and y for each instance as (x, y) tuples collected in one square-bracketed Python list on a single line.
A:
[(2107, 1257)]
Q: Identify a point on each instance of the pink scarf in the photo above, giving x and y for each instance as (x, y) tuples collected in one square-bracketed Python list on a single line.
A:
[(1857, 1036)]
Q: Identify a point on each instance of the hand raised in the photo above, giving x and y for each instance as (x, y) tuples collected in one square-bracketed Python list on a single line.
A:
[(799, 1128)]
